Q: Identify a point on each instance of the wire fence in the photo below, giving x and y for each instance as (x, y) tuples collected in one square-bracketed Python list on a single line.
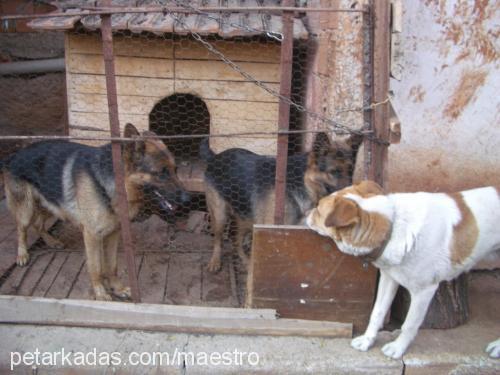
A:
[(199, 151)]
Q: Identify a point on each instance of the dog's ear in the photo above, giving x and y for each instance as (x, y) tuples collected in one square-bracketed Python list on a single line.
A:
[(132, 148), (130, 131), (153, 144), (354, 141), (321, 145), (345, 212), (368, 188)]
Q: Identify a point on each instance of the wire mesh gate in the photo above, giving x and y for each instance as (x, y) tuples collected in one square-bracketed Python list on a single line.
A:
[(183, 72)]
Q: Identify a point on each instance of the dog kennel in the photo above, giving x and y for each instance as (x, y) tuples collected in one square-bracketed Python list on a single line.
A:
[(246, 74)]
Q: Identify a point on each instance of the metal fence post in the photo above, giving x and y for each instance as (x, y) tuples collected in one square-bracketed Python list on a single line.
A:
[(284, 113), (123, 209)]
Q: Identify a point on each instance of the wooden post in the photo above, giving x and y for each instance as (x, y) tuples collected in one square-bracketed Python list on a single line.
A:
[(123, 210), (376, 152), (449, 307), (284, 113)]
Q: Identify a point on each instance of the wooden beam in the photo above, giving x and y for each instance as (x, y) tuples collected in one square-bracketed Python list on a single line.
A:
[(376, 152), (165, 318)]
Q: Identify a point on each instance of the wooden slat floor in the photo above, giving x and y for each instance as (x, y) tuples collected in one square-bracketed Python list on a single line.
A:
[(171, 266)]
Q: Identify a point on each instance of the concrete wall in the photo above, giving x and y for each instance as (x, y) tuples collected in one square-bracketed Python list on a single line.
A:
[(448, 98)]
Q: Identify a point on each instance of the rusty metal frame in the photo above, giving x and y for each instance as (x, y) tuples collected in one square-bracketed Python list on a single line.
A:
[(118, 167), (376, 153), (286, 60)]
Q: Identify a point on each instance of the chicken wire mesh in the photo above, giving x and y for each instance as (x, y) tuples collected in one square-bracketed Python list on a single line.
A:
[(204, 107)]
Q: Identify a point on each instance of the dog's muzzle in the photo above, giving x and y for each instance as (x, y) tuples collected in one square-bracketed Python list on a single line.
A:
[(168, 205)]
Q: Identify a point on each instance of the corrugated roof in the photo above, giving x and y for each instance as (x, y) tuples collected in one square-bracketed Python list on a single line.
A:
[(224, 24)]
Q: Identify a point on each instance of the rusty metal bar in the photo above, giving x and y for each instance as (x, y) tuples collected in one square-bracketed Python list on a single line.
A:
[(182, 136), (92, 11), (122, 203), (284, 114), (376, 152)]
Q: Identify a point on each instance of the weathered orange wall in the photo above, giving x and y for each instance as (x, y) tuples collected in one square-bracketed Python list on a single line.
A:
[(448, 99)]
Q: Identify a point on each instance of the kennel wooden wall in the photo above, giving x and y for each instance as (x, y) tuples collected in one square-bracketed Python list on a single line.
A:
[(156, 65), (149, 70)]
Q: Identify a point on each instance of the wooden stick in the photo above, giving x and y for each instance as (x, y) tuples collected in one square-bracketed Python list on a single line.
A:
[(186, 319)]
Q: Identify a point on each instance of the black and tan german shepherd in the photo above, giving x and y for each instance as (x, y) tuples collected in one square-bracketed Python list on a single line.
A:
[(240, 183), (75, 182)]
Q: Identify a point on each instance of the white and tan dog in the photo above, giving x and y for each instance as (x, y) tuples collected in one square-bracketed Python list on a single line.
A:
[(416, 240)]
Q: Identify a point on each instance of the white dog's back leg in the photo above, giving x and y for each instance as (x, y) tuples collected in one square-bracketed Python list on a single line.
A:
[(387, 288), (493, 349), (418, 308)]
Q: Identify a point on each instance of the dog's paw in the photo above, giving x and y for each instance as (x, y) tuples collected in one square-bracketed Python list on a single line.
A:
[(493, 349), (362, 343), (23, 259), (123, 292), (54, 243), (214, 265), (393, 350), (101, 294)]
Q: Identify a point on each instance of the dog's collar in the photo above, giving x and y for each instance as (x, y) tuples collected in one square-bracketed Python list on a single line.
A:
[(373, 255)]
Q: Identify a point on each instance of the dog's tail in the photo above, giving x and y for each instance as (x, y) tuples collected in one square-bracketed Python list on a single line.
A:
[(205, 152)]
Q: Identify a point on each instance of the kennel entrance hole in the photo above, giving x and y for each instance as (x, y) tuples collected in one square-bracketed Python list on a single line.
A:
[(183, 114)]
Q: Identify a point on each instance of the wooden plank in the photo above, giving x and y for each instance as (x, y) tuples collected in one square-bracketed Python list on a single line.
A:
[(152, 234), (37, 271), (219, 70), (125, 66), (48, 276), (8, 248), (89, 123), (81, 288), (216, 287), (243, 111), (184, 279), (153, 277), (137, 105), (206, 320), (16, 278), (61, 287), (134, 105), (122, 46), (226, 90), (142, 86), (263, 144), (303, 275), (377, 153), (235, 51)]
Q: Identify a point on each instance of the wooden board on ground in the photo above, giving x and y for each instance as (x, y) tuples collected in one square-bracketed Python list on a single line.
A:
[(65, 279), (184, 279), (188, 319), (37, 271), (153, 277), (303, 275), (217, 289)]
